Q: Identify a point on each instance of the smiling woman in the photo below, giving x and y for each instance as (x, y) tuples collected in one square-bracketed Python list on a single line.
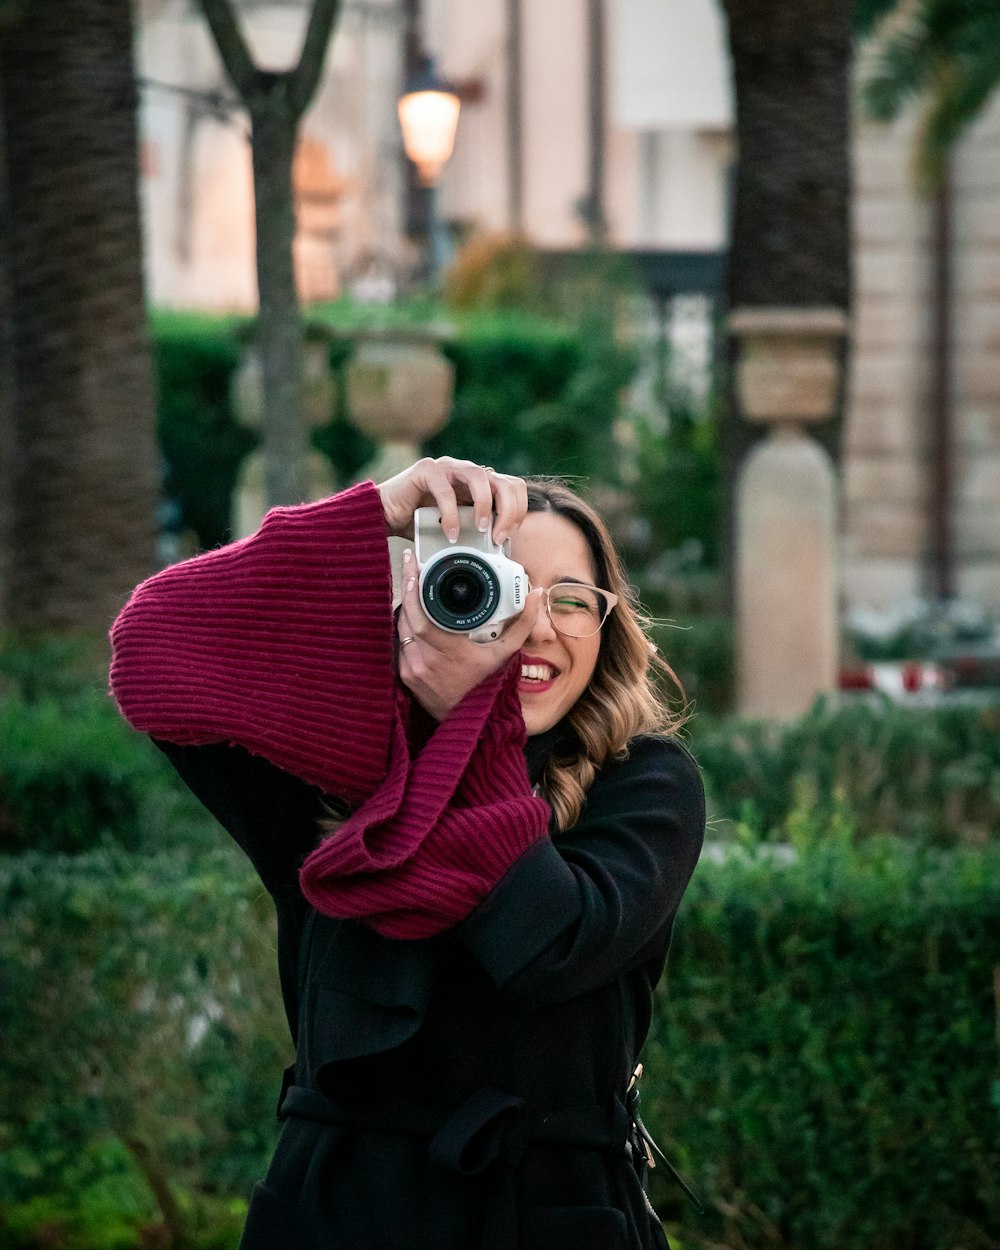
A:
[(468, 952)]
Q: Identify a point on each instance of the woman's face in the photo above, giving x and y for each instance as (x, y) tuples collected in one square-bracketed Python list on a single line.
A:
[(555, 670)]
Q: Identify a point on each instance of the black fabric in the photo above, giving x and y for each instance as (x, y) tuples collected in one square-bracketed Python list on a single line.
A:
[(537, 1004)]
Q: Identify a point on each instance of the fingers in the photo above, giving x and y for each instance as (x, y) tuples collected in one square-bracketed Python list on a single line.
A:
[(447, 483), (458, 481), (510, 502), (412, 622)]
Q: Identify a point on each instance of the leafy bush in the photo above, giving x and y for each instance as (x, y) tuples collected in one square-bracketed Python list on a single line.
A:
[(143, 1042), (68, 777), (533, 397), (824, 1067), (496, 272), (678, 491), (925, 773), (72, 773), (700, 651), (202, 443)]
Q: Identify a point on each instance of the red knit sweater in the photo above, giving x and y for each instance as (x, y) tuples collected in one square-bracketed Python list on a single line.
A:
[(283, 643)]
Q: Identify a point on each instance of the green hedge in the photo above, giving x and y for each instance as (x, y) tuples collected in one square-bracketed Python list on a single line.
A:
[(823, 1068), (927, 773), (535, 397), (143, 1041), (202, 444), (700, 651), (72, 774)]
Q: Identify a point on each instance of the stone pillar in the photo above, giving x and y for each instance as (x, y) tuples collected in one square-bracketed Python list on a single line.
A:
[(786, 511)]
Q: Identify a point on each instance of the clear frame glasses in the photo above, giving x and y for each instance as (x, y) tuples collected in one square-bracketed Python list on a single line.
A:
[(578, 610)]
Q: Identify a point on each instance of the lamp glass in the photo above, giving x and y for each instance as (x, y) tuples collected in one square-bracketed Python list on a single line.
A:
[(429, 120)]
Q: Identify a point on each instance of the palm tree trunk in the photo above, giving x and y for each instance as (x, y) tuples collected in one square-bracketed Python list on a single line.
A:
[(791, 67), (790, 236), (7, 444), (86, 478)]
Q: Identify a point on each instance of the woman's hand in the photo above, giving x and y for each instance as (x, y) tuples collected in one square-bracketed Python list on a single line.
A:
[(439, 668), (445, 483)]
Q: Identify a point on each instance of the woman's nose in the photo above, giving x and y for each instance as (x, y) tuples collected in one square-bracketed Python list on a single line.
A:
[(542, 630)]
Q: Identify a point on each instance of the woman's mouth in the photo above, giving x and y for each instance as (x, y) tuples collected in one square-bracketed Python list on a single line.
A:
[(536, 676)]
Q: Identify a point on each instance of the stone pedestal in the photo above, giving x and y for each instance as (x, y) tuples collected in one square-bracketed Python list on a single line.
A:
[(250, 495), (399, 389), (399, 392), (786, 511)]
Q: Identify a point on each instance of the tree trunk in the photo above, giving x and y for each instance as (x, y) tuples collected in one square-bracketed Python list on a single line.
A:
[(276, 102), (86, 479), (280, 333), (791, 67), (596, 221), (790, 238), (8, 450)]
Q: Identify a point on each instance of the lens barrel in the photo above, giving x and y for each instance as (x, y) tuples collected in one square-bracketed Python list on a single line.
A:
[(460, 591)]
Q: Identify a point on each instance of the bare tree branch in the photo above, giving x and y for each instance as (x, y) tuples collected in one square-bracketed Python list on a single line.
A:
[(232, 46), (305, 77)]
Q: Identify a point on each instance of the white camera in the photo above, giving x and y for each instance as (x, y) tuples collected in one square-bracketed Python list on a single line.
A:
[(469, 586)]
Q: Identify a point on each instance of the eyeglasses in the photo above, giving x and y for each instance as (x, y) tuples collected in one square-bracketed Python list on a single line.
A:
[(578, 610)]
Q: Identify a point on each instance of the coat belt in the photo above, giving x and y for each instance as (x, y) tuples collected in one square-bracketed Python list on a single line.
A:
[(490, 1129)]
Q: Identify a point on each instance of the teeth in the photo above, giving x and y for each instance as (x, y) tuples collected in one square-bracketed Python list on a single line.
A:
[(537, 672)]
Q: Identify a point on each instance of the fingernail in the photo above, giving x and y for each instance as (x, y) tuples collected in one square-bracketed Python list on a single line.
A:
[(453, 536), (407, 556), (484, 524), (411, 582)]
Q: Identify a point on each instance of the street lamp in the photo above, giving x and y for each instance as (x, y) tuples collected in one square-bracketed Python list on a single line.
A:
[(428, 116)]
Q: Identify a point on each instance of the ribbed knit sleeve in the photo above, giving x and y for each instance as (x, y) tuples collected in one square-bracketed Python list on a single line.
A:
[(433, 841), (281, 643)]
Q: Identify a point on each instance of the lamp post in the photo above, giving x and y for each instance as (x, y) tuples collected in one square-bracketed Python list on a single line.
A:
[(428, 117)]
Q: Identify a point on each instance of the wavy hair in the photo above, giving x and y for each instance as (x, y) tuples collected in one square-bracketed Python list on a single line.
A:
[(623, 698)]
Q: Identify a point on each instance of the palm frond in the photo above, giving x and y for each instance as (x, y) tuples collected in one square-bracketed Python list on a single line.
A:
[(866, 15), (944, 51), (960, 97), (902, 63)]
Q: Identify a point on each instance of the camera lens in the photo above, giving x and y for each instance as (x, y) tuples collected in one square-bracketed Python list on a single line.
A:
[(460, 592)]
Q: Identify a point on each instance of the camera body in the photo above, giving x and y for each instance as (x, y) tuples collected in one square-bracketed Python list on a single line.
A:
[(470, 586)]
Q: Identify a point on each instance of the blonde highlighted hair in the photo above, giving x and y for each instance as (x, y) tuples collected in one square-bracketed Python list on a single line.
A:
[(622, 699)]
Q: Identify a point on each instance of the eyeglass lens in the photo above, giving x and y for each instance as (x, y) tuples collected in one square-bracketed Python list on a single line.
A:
[(577, 611)]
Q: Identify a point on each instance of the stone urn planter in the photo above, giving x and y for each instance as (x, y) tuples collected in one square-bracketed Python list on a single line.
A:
[(399, 391)]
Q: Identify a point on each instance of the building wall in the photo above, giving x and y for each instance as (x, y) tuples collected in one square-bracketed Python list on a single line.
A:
[(885, 465), (888, 470), (667, 154), (197, 186), (977, 361)]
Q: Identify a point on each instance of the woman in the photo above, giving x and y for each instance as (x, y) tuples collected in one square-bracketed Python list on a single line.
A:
[(476, 852)]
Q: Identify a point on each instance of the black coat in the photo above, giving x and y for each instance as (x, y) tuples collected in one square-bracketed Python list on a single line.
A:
[(468, 1092)]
